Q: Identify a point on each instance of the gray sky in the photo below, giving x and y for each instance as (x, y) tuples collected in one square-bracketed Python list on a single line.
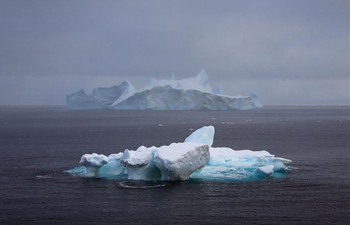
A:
[(289, 52)]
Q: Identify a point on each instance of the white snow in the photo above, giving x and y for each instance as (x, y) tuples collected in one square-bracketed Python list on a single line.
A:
[(139, 164), (93, 160), (140, 157), (179, 160), (92, 163), (192, 159)]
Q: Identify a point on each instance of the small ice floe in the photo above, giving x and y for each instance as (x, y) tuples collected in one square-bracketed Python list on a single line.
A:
[(43, 176)]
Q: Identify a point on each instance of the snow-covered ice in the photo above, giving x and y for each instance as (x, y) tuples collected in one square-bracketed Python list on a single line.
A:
[(194, 93), (195, 159), (179, 160)]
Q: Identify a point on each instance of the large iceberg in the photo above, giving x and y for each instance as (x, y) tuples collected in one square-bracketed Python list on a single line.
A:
[(195, 159), (193, 93), (169, 98)]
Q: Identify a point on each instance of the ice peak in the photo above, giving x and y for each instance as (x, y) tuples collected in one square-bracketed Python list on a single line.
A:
[(204, 135), (202, 77), (125, 83)]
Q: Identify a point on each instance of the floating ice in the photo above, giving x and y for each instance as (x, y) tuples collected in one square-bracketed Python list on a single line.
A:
[(226, 164), (194, 93), (193, 159), (92, 163)]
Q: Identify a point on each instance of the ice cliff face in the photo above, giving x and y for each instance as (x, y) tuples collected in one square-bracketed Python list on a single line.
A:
[(168, 98), (193, 93), (100, 97)]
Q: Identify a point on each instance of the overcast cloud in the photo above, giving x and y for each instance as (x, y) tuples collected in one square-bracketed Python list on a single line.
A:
[(289, 52)]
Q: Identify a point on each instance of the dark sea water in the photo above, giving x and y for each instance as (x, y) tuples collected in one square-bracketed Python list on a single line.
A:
[(37, 144)]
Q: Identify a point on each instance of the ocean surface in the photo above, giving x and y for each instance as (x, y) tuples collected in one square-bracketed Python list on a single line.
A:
[(37, 144)]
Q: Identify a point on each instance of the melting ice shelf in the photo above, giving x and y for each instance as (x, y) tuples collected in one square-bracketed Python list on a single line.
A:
[(193, 93), (195, 158)]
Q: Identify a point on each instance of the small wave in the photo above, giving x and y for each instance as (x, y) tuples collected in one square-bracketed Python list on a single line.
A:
[(43, 176), (141, 184)]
